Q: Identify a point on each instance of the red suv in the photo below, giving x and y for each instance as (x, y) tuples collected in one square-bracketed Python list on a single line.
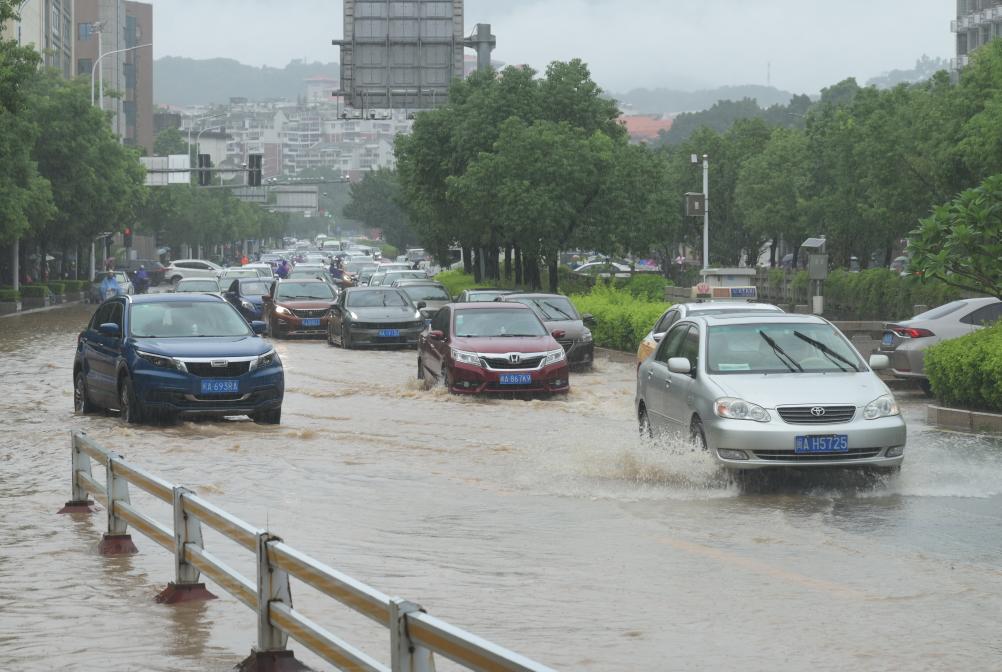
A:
[(473, 348), (298, 307)]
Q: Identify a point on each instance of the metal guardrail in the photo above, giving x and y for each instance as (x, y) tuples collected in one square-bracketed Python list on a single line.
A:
[(415, 636)]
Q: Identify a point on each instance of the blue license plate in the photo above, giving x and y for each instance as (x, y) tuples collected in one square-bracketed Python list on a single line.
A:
[(214, 386), (515, 379), (888, 338), (389, 333), (311, 322), (833, 443)]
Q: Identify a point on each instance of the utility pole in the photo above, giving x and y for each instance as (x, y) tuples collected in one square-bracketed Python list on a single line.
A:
[(706, 212)]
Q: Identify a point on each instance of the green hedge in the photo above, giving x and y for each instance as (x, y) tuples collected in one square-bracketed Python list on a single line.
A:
[(9, 295), (75, 285), (55, 287), (34, 291), (967, 371), (622, 320)]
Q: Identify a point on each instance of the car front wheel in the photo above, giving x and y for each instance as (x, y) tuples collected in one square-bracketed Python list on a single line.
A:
[(130, 407), (81, 402), (645, 424), (697, 435)]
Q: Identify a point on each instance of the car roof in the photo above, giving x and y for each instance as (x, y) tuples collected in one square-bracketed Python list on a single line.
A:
[(747, 306), (758, 317), (534, 295), (490, 305), (300, 281), (490, 289), (173, 298), (379, 288)]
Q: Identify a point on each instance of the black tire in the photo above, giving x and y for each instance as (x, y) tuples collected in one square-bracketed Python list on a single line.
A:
[(272, 417), (131, 409), (176, 279), (926, 387), (82, 404), (445, 380), (646, 431), (420, 369), (697, 435), (346, 338), (330, 337)]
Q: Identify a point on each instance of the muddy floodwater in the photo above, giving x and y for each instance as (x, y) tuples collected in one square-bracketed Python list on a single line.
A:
[(545, 526)]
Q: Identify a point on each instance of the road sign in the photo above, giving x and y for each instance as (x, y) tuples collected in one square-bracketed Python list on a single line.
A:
[(695, 205)]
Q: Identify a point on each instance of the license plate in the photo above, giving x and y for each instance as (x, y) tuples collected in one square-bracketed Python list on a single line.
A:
[(516, 379), (835, 443), (888, 338), (311, 322), (389, 333), (220, 386)]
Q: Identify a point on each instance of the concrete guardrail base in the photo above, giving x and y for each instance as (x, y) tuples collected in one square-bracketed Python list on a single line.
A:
[(271, 661), (963, 420), (178, 593), (116, 544)]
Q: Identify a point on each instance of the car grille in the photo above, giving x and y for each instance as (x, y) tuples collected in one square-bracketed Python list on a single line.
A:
[(805, 415), (566, 343), (387, 325), (207, 370), (503, 363), (790, 456), (310, 313)]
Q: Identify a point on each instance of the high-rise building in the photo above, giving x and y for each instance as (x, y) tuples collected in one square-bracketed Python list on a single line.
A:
[(49, 26), (402, 54), (977, 22), (129, 72)]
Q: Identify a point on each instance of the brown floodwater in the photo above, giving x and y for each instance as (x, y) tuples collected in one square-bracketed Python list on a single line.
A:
[(546, 526)]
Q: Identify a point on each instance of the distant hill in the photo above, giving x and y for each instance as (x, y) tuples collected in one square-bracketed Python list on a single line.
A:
[(673, 101), (925, 68), (187, 81)]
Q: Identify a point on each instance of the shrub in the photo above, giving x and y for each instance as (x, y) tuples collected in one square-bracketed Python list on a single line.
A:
[(75, 285), (34, 291), (56, 287), (967, 371), (622, 320), (9, 295), (456, 281), (647, 286)]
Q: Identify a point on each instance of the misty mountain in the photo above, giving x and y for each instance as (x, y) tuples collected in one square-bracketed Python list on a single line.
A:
[(925, 68), (673, 101), (187, 81)]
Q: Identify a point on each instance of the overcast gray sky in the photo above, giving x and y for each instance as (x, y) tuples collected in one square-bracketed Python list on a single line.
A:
[(627, 43)]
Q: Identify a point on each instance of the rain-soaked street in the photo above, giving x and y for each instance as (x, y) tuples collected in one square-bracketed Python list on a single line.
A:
[(546, 526)]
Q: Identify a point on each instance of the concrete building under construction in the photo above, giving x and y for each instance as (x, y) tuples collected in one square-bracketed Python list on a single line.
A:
[(401, 54), (978, 22)]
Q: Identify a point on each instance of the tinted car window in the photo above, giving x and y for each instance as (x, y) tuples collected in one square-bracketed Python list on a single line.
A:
[(984, 316), (690, 347), (664, 324), (671, 344), (441, 321), (102, 316)]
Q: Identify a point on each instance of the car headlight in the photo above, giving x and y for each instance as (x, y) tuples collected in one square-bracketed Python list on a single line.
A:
[(282, 310), (162, 361), (586, 337), (881, 407), (739, 409), (464, 357), (554, 356), (267, 359)]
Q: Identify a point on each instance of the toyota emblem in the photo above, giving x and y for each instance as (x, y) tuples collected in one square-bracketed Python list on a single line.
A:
[(514, 358), (817, 411)]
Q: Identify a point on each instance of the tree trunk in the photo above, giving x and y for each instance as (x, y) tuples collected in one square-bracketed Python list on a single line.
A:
[(507, 261), (478, 254), (553, 272), (772, 251), (467, 260), (518, 265)]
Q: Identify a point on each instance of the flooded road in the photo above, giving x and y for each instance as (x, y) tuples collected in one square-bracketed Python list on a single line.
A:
[(546, 526)]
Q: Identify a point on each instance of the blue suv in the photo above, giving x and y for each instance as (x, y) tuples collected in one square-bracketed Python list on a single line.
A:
[(159, 356), (246, 295)]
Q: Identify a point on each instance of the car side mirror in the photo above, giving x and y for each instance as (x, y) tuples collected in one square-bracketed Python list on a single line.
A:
[(659, 337), (109, 329), (679, 365), (588, 319), (436, 334), (259, 327), (559, 333), (421, 304), (880, 362)]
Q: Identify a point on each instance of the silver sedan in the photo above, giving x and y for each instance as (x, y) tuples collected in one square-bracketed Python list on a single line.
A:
[(770, 391)]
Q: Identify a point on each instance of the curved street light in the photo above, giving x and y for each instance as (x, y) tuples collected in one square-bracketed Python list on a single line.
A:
[(93, 70)]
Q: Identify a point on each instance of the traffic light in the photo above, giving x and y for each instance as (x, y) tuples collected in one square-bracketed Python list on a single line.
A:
[(255, 163), (127, 237), (204, 164)]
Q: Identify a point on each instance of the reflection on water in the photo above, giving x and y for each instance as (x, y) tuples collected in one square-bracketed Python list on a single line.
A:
[(511, 518)]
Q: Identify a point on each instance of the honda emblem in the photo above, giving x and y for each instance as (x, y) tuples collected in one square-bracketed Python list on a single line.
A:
[(514, 358)]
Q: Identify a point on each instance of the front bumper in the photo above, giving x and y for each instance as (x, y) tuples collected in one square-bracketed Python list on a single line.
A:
[(407, 337), (906, 362), (468, 379), (579, 353), (771, 444), (179, 393)]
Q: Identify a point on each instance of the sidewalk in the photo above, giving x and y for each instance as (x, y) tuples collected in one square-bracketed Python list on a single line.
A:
[(32, 311)]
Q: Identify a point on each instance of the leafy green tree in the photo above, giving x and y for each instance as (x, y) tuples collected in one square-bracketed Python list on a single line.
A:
[(376, 201), (170, 141), (961, 243)]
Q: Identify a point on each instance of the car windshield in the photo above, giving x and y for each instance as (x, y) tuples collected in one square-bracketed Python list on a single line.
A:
[(499, 323), (481, 297), (554, 308), (405, 275), (197, 286), (304, 290), (253, 288), (942, 311), (779, 348), (186, 319), (376, 299), (426, 293)]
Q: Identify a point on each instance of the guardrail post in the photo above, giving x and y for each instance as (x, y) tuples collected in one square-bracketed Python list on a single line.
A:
[(405, 655), (117, 540), (270, 654), (187, 531), (80, 462)]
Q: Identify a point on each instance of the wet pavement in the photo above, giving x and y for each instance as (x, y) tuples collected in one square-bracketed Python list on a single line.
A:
[(546, 526)]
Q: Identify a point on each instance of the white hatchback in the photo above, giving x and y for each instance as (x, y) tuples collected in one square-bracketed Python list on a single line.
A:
[(191, 268)]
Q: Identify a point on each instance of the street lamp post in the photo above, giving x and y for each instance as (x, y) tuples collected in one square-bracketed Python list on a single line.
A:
[(706, 212), (93, 70)]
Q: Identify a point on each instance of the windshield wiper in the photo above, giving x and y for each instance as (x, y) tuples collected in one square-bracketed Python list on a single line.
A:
[(790, 362), (827, 352), (550, 305)]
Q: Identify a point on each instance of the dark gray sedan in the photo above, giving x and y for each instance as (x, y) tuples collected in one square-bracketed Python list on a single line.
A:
[(432, 294), (377, 316), (558, 314)]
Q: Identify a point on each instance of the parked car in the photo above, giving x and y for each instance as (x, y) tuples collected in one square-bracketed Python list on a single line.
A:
[(905, 342), (197, 285), (374, 316), (479, 295), (475, 348), (558, 314), (191, 268), (247, 296), (682, 310), (432, 294), (298, 307), (770, 390), (154, 268), (604, 269), (158, 356)]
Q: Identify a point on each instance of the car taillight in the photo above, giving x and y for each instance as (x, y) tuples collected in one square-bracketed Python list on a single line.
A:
[(911, 332)]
